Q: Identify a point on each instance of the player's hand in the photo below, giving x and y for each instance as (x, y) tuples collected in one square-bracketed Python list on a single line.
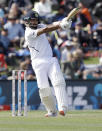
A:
[(65, 25)]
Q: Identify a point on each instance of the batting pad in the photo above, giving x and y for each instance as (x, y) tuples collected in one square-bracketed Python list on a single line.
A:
[(61, 95), (48, 99)]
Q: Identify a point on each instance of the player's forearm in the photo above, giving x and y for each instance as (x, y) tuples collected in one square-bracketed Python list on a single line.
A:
[(49, 28)]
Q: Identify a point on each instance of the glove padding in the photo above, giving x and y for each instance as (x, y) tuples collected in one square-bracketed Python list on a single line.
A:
[(65, 25)]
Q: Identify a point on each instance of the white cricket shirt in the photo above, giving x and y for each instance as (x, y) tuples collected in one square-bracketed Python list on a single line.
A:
[(39, 46)]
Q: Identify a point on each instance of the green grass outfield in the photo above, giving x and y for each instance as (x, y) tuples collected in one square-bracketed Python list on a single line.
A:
[(35, 121)]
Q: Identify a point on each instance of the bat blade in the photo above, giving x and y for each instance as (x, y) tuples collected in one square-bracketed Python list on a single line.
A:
[(73, 13)]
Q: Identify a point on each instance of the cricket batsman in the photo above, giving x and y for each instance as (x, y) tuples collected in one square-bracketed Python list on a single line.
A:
[(44, 64)]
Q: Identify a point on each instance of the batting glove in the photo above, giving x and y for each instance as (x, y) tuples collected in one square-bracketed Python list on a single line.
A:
[(65, 25)]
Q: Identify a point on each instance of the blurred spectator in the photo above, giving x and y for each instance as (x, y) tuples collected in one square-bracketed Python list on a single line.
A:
[(3, 3), (85, 16), (26, 65), (3, 65), (89, 37), (62, 34), (1, 48), (74, 67), (4, 39), (98, 21), (97, 11), (21, 53), (2, 14), (78, 64), (15, 30), (68, 49), (60, 14), (95, 72), (84, 36), (44, 8), (69, 4), (75, 41), (99, 38), (54, 46), (21, 3), (15, 11)]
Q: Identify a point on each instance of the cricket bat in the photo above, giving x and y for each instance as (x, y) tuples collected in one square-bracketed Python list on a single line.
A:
[(73, 13)]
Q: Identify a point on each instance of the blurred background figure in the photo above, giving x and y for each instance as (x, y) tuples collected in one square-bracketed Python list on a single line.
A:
[(4, 41), (84, 15), (74, 66), (68, 48), (15, 11), (44, 9), (95, 72), (60, 14), (2, 18), (3, 64), (26, 65), (21, 3), (77, 64), (15, 30)]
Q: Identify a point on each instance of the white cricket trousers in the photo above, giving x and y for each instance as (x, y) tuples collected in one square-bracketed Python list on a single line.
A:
[(49, 68)]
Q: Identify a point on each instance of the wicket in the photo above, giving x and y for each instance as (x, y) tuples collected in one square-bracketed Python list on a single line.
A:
[(19, 92)]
